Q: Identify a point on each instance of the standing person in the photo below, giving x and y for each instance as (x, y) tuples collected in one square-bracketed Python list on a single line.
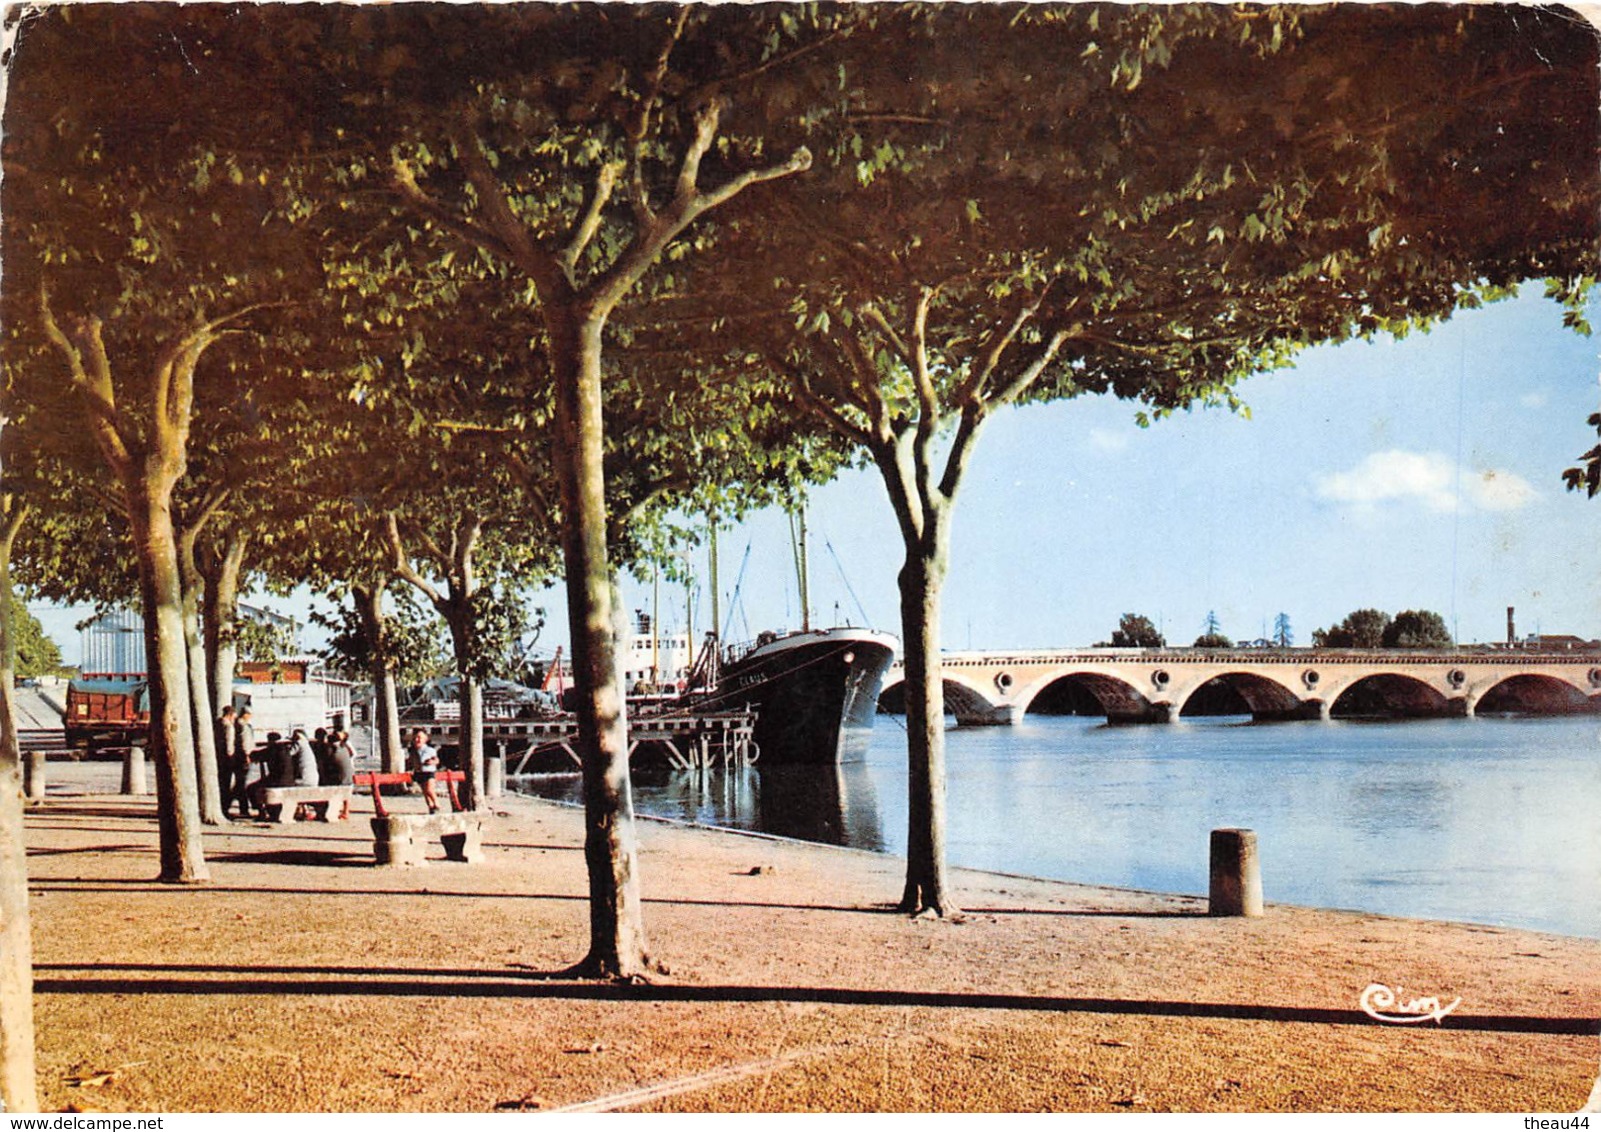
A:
[(239, 751), (319, 747), (424, 763), (226, 738), (302, 759), (341, 765), (341, 759)]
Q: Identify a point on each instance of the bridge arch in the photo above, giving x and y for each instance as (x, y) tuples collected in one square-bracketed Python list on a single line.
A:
[(1535, 694), (1119, 700), (1390, 694), (963, 699), (1263, 697)]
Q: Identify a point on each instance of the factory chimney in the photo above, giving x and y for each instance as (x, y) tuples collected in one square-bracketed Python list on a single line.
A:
[(1511, 628)]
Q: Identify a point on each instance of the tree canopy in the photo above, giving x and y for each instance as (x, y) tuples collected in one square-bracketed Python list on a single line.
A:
[(1417, 629), (1135, 631), (1361, 629)]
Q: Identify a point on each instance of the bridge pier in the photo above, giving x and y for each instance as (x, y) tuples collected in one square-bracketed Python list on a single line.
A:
[(1462, 707), (1000, 715), (1320, 710)]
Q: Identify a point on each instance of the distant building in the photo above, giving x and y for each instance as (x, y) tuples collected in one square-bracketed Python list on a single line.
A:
[(114, 644), (1559, 642)]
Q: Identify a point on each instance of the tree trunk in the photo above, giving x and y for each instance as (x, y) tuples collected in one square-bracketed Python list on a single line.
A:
[(208, 775), (17, 1087), (616, 922), (220, 613), (921, 578), (470, 697), (171, 734), (472, 742), (385, 705)]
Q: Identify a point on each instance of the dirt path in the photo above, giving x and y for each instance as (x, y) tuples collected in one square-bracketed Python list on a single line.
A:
[(303, 978)]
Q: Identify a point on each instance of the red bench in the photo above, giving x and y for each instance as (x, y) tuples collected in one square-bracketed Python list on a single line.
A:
[(379, 779)]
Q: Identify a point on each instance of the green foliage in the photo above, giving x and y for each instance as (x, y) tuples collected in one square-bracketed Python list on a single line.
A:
[(1134, 631), (1587, 476), (1213, 641), (1283, 637), (37, 654), (1417, 629), (411, 643), (499, 624), (262, 641), (1362, 629)]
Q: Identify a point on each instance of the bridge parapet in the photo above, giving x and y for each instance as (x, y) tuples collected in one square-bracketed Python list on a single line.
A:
[(1148, 685)]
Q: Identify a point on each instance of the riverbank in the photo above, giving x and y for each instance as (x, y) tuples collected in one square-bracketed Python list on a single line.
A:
[(302, 978)]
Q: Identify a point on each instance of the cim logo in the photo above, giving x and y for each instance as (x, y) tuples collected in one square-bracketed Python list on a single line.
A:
[(1384, 1004)]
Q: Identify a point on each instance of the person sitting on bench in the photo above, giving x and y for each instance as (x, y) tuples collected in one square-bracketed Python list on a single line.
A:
[(423, 762)]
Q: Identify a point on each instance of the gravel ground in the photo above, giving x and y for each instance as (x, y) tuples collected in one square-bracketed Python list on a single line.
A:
[(304, 978)]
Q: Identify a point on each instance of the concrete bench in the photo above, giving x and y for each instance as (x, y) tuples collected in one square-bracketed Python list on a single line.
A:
[(400, 839), (329, 802)]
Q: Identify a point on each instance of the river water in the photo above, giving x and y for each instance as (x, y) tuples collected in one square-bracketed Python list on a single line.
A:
[(1489, 820)]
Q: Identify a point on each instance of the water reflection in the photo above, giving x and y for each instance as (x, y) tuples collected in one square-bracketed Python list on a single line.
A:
[(833, 805)]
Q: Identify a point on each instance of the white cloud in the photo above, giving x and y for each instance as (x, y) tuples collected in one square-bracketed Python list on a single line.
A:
[(1106, 440), (1498, 491), (1533, 400), (1425, 478)]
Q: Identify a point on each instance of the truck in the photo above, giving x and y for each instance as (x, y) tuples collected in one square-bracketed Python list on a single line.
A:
[(107, 711)]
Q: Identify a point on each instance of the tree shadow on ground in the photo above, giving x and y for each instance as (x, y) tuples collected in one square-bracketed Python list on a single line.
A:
[(319, 857), (125, 848), (53, 809), (364, 860), (504, 983)]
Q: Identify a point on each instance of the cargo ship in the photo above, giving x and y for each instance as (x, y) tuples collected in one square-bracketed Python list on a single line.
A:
[(814, 692)]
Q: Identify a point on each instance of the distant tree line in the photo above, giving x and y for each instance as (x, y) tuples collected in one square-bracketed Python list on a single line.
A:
[(1373, 629)]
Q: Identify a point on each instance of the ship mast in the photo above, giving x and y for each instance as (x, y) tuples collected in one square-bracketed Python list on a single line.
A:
[(798, 546)]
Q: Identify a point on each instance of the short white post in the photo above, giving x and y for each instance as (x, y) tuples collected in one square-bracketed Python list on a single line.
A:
[(495, 772), (133, 771), (1236, 874), (33, 777)]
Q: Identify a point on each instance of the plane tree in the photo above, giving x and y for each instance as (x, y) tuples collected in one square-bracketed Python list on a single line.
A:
[(21, 486), (140, 261), (579, 147), (1149, 203)]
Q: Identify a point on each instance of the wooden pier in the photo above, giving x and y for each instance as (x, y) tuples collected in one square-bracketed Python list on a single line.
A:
[(686, 742)]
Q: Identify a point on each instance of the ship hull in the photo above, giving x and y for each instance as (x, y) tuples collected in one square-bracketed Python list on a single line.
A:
[(815, 694)]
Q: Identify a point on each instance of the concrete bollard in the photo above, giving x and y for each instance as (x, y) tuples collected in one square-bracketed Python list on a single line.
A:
[(133, 772), (1236, 874), (494, 776), (33, 777)]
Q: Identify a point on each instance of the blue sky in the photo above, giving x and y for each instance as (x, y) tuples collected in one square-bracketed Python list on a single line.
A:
[(1400, 475)]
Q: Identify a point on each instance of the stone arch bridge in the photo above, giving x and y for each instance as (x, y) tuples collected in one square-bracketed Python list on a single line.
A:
[(1157, 685)]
